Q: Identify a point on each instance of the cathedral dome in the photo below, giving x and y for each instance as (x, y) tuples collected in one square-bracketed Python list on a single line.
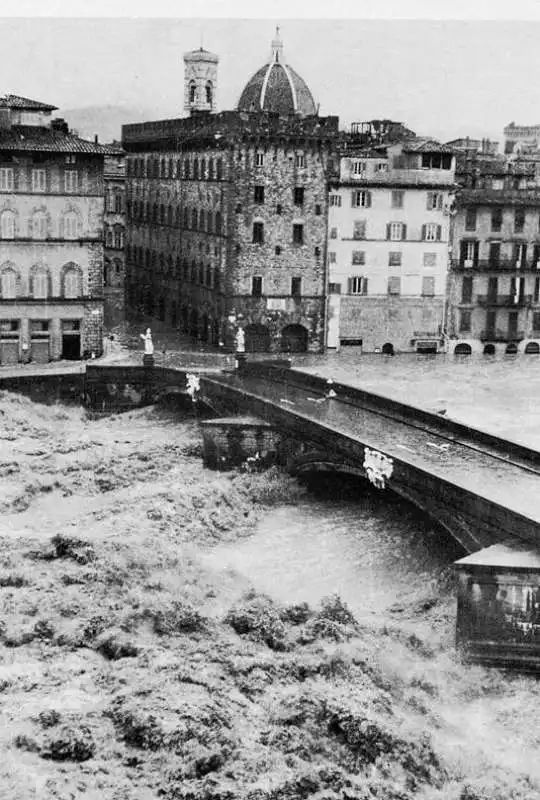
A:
[(277, 87)]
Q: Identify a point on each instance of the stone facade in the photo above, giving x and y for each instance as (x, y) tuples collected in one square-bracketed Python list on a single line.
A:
[(114, 180), (388, 236), (51, 241), (494, 282), (227, 228)]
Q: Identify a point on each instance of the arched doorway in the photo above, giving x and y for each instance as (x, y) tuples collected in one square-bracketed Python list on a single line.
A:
[(294, 339), (462, 349), (388, 349), (257, 338), (489, 350), (532, 348), (511, 349)]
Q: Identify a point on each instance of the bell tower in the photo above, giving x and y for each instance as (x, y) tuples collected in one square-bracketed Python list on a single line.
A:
[(200, 80)]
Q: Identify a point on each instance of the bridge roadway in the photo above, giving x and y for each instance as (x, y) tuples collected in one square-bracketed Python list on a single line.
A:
[(505, 475)]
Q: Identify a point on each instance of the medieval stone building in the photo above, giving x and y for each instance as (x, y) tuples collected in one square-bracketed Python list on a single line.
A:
[(51, 236), (114, 183), (227, 212)]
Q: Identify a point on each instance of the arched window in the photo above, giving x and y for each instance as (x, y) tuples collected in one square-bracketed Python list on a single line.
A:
[(209, 221), (8, 225), (171, 168), (163, 168), (186, 169), (117, 266), (118, 237), (39, 225), (218, 222), (211, 169), (201, 220), (162, 214), (118, 203), (192, 91), (194, 219), (40, 285), (108, 236), (70, 225), (203, 168), (209, 92), (169, 215), (196, 169), (8, 284), (72, 283), (219, 169)]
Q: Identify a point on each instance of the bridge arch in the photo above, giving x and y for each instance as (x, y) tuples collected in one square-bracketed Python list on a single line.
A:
[(462, 349), (388, 349), (489, 350), (532, 348)]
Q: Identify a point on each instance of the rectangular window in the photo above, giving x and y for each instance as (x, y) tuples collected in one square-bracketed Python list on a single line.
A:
[(258, 232), (496, 219), (434, 201), (430, 259), (428, 286), (494, 254), (71, 181), (361, 199), (331, 257), (38, 180), (394, 285), (470, 218), (520, 255), (333, 233), (436, 161), (358, 257), (396, 231), (296, 287), (258, 194), (256, 286), (300, 160), (6, 179), (335, 200), (519, 220), (466, 289), (536, 290), (464, 321), (431, 232), (359, 167), (358, 285), (398, 196), (259, 159), (394, 259), (298, 234), (298, 194), (359, 229), (536, 321)]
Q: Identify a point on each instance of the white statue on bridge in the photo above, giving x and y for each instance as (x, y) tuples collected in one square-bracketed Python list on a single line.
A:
[(240, 341), (148, 343)]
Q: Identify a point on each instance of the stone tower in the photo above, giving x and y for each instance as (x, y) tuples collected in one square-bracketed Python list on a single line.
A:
[(200, 80)]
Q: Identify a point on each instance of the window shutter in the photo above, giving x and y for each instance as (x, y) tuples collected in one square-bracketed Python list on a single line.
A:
[(439, 232), (476, 252), (423, 233), (349, 285), (388, 231), (353, 198), (365, 286), (462, 252), (439, 202), (368, 199), (403, 232)]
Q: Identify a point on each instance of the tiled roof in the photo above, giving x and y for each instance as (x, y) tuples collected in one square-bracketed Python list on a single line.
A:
[(424, 145), (24, 103), (30, 137)]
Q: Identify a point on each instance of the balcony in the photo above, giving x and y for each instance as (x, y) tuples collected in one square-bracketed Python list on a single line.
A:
[(502, 265), (496, 335), (505, 300)]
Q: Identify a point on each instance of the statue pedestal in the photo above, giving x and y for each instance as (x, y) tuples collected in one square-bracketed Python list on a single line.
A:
[(148, 360)]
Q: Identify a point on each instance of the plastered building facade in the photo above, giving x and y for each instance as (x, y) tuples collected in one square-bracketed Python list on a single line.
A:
[(388, 237), (51, 237)]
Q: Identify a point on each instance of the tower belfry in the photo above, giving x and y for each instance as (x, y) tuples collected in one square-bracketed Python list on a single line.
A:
[(200, 80)]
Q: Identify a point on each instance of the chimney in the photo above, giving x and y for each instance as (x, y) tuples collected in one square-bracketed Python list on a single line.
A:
[(96, 140)]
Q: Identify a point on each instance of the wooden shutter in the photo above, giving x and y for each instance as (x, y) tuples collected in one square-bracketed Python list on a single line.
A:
[(349, 285), (368, 199), (388, 231), (476, 252), (439, 232), (439, 202), (423, 233), (462, 251), (403, 232), (365, 286)]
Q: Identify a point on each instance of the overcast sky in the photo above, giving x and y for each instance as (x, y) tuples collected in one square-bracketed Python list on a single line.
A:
[(444, 78)]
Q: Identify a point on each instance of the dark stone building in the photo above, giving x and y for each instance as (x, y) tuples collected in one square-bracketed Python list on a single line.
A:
[(227, 212)]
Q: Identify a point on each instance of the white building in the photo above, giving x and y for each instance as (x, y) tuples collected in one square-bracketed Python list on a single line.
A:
[(388, 234)]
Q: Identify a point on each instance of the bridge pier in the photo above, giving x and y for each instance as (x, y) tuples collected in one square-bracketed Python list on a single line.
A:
[(498, 612), (229, 442)]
